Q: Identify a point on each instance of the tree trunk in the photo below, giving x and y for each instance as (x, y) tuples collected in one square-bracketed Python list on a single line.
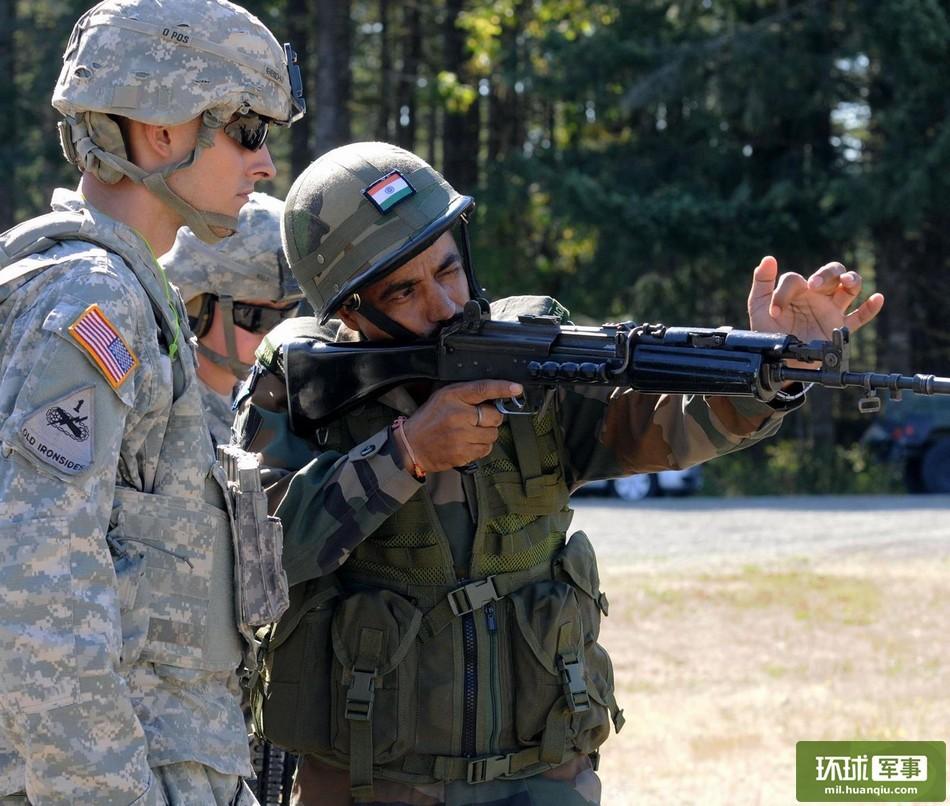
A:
[(384, 105), (460, 131), (409, 76), (301, 38), (8, 102), (331, 113)]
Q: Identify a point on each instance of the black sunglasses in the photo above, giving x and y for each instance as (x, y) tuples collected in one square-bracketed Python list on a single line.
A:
[(249, 130), (261, 318)]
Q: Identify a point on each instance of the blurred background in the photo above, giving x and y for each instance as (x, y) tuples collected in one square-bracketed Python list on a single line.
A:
[(635, 160)]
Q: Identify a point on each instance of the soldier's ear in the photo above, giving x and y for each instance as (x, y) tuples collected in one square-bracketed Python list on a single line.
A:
[(157, 145)]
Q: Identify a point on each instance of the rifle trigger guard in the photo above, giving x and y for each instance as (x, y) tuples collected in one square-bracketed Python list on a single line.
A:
[(519, 405)]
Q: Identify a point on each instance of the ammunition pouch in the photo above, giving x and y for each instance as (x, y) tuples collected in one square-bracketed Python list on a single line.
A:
[(369, 682), (261, 583)]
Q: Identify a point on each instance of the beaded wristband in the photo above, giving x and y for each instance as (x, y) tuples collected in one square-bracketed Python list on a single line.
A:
[(415, 468)]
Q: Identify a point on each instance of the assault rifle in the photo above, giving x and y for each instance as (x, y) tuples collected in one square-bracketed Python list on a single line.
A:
[(325, 380)]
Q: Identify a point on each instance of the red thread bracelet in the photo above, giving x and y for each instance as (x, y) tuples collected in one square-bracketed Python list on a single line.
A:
[(415, 468)]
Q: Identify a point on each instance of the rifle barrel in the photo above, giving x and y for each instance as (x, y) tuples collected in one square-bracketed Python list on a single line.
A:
[(895, 382)]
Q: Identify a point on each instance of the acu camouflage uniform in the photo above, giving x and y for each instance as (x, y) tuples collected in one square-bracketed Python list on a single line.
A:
[(119, 642), (118, 633), (353, 517)]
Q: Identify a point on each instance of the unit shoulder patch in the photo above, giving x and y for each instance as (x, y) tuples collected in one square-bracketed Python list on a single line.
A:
[(61, 433), (103, 343)]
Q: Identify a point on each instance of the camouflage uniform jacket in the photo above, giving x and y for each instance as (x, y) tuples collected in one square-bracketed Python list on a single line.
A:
[(118, 641)]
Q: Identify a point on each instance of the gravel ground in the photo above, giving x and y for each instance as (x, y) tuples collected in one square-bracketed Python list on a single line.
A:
[(741, 626)]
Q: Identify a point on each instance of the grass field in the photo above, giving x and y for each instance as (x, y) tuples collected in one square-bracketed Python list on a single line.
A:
[(720, 672)]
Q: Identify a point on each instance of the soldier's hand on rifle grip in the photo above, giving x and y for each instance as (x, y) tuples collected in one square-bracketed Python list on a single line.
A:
[(458, 424)]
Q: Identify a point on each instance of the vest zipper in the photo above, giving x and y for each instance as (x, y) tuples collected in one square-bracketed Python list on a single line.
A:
[(492, 625), (470, 684)]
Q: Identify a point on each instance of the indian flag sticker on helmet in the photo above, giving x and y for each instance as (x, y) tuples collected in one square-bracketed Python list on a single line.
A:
[(386, 192)]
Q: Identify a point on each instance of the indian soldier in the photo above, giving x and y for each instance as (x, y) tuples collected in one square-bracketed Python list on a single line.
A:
[(441, 643), (235, 291), (119, 630)]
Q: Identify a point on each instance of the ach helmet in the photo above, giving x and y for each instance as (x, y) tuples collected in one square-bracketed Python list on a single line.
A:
[(166, 62), (360, 212), (249, 265)]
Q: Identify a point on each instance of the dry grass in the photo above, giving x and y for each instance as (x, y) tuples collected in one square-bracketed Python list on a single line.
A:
[(720, 674)]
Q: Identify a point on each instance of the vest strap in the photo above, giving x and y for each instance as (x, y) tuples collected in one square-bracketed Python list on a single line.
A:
[(471, 597), (526, 449), (359, 712), (479, 770)]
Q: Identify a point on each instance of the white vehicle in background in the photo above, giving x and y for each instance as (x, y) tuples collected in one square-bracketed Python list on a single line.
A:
[(647, 485)]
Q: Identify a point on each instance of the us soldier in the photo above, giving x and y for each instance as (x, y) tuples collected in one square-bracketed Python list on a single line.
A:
[(235, 291), (441, 643), (119, 637)]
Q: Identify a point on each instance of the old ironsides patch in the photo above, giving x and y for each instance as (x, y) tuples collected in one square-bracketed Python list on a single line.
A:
[(60, 433)]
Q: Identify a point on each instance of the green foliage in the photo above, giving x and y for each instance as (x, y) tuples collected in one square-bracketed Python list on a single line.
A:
[(637, 159), (789, 466)]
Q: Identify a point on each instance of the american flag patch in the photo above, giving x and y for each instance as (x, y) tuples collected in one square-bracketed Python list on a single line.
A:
[(99, 337)]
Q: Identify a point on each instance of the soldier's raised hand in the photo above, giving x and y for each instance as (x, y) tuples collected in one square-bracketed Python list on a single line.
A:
[(809, 309)]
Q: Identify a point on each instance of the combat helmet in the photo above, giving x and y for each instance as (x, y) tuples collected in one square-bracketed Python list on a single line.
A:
[(167, 62), (250, 265), (358, 213)]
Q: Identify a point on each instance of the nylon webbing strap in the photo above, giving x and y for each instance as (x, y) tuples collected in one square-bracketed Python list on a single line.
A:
[(471, 597), (526, 449), (359, 712), (475, 770)]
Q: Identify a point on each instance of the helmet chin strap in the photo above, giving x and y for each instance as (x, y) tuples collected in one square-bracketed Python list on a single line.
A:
[(383, 322), (230, 362), (202, 222)]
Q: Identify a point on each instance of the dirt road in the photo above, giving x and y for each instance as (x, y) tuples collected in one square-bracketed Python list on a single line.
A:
[(739, 627)]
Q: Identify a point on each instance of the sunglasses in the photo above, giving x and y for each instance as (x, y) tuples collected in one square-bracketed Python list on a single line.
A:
[(248, 130), (261, 318)]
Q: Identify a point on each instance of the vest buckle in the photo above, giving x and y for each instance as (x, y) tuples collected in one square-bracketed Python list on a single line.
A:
[(489, 768), (360, 695), (473, 596), (572, 678)]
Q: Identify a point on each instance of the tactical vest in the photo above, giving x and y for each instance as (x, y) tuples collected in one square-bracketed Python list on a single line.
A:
[(172, 545), (394, 668)]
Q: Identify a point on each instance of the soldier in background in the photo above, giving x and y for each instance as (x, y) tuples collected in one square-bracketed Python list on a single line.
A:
[(441, 642), (235, 291), (119, 636)]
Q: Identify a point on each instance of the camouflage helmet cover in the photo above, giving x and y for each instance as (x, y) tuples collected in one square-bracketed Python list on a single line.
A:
[(338, 240), (167, 61), (249, 265)]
